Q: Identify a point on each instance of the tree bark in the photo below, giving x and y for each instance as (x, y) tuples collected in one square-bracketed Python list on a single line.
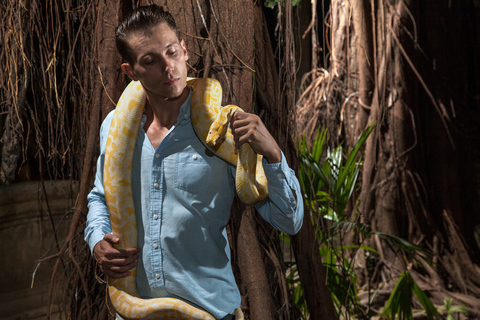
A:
[(277, 119), (410, 184), (413, 184), (362, 21), (252, 268), (225, 40), (312, 272), (16, 76), (105, 90)]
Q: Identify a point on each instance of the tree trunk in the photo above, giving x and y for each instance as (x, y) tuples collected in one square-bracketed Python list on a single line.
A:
[(413, 184), (362, 22), (16, 76), (278, 121), (252, 268)]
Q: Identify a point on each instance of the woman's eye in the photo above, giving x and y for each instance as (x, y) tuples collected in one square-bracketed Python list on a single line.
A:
[(148, 62), (172, 53)]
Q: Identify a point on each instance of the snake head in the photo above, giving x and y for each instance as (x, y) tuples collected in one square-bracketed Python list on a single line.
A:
[(219, 127), (214, 138)]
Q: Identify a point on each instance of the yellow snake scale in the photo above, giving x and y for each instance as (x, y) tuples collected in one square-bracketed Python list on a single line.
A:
[(210, 123)]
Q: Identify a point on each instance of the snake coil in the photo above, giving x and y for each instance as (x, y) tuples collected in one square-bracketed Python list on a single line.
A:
[(210, 123)]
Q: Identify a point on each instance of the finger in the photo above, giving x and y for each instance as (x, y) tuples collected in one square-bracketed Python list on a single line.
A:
[(113, 239), (239, 139), (116, 275), (238, 124), (242, 132), (245, 129), (245, 134), (238, 115), (124, 261), (124, 269), (112, 269), (123, 253), (241, 119), (117, 271), (120, 258), (108, 249)]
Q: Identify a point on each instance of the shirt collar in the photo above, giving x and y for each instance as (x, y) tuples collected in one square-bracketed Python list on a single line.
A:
[(184, 110)]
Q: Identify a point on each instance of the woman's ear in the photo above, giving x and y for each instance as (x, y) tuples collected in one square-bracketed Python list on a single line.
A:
[(128, 70)]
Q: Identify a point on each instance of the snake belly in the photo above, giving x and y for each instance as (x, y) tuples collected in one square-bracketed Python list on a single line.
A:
[(251, 186)]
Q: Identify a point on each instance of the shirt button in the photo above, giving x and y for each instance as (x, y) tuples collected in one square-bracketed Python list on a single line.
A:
[(155, 216), (280, 176), (156, 185), (155, 246), (157, 276), (294, 203), (185, 116), (157, 156), (195, 157)]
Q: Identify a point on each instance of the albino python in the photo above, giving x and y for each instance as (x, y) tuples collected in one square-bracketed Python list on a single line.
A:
[(210, 123)]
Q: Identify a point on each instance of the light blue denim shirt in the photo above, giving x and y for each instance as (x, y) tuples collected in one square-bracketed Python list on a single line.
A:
[(182, 195)]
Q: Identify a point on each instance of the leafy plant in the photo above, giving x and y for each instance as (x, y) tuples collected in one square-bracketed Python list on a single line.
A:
[(449, 310), (272, 3), (338, 177), (328, 178), (296, 288), (328, 185), (400, 302)]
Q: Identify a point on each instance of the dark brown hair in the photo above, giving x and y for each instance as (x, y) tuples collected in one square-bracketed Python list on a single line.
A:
[(141, 20)]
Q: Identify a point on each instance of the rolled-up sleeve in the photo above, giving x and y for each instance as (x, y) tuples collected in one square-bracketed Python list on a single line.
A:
[(98, 219), (282, 209)]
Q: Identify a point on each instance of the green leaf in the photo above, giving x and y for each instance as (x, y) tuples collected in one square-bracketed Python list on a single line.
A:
[(270, 3), (352, 157), (347, 226), (400, 300), (360, 247), (395, 243), (317, 151), (331, 215), (430, 309)]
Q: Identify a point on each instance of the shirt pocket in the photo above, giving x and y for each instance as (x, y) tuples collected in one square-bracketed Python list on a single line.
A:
[(192, 173)]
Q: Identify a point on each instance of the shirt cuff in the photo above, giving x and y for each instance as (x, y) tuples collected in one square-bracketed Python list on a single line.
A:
[(280, 181), (95, 238)]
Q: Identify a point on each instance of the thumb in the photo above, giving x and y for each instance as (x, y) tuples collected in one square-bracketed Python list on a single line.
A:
[(111, 238)]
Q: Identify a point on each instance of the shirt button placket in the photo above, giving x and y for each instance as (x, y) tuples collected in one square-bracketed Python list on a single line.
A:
[(155, 236)]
